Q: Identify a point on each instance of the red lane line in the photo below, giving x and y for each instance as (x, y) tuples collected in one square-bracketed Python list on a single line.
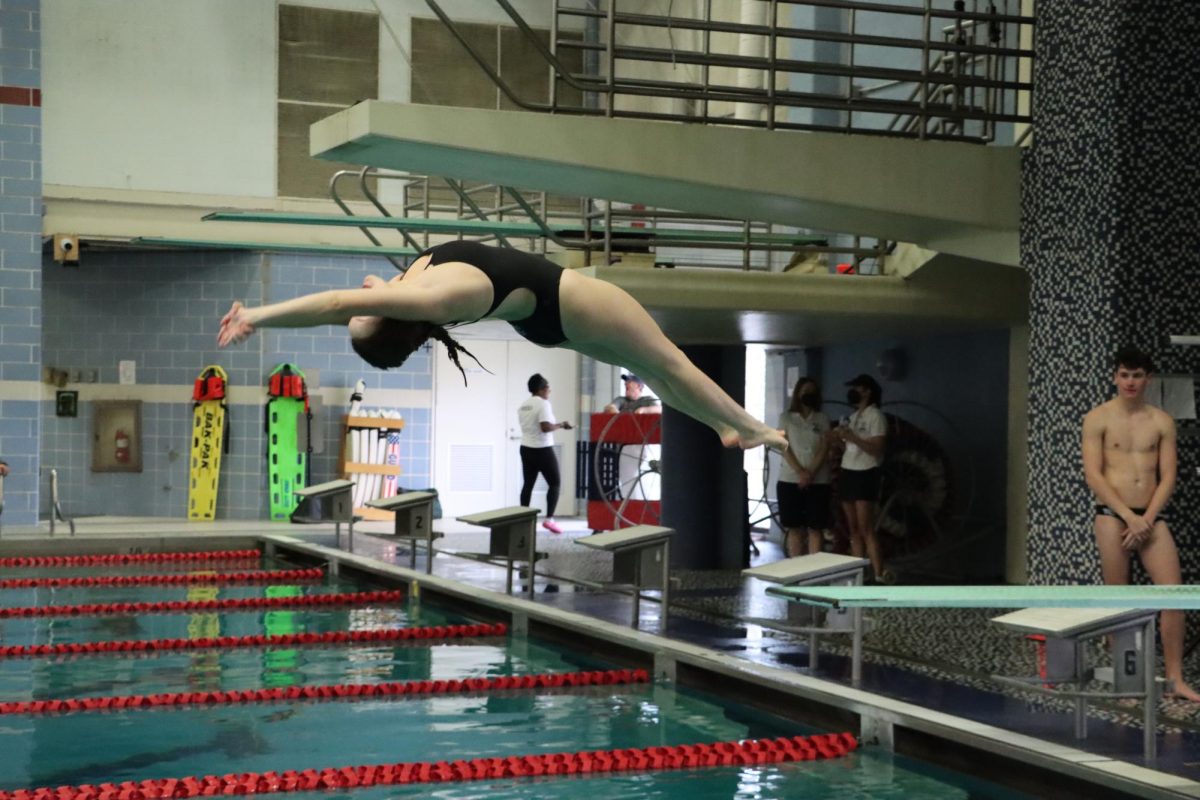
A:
[(127, 558), (717, 754), (146, 646), (345, 691), (175, 606), (256, 576)]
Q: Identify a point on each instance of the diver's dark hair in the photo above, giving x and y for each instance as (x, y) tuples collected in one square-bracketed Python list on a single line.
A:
[(1132, 358), (395, 340), (800, 384), (536, 383)]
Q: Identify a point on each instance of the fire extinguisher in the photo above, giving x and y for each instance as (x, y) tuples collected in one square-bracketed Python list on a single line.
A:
[(122, 444)]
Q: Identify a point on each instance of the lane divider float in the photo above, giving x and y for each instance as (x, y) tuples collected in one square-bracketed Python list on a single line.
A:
[(178, 579), (749, 752), (227, 604), (345, 691), (382, 635), (128, 558)]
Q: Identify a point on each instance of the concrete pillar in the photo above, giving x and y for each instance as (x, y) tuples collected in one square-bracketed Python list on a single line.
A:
[(703, 483)]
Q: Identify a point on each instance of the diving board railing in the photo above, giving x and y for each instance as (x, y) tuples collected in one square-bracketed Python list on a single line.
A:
[(966, 81)]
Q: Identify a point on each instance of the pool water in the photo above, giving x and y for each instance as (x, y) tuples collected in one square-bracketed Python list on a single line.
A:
[(107, 746)]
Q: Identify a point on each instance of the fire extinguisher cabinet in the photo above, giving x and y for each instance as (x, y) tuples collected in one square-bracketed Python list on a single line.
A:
[(117, 436)]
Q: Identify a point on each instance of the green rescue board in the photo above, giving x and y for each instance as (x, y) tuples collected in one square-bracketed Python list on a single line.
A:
[(287, 459)]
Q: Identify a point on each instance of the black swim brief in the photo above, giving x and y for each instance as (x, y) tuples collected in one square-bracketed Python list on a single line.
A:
[(1105, 511)]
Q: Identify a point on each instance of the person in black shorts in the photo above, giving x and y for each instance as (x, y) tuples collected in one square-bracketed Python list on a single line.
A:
[(864, 433), (803, 490), (461, 282)]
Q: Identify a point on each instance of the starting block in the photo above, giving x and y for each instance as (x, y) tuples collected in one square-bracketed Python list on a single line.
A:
[(513, 536), (641, 559), (413, 521), (328, 502), (818, 569), (1066, 632)]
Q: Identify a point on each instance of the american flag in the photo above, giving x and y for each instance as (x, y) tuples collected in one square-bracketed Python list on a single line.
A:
[(392, 460)]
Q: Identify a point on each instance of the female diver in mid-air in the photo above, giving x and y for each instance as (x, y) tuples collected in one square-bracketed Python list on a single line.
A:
[(462, 281)]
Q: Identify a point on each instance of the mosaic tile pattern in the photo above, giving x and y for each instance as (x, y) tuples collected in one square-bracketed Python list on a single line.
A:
[(1109, 199)]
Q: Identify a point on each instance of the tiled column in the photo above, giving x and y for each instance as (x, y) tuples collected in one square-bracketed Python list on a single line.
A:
[(20, 255), (1111, 210)]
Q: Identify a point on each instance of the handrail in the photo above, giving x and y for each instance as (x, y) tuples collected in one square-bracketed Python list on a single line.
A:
[(55, 506), (470, 203), (333, 193), (968, 55), (501, 84), (366, 190)]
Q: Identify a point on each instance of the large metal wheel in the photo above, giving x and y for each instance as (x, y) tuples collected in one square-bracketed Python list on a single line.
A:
[(628, 473)]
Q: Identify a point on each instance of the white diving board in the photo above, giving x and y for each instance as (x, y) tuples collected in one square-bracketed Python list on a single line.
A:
[(513, 536), (641, 559), (1065, 632), (817, 569), (1090, 596), (413, 518)]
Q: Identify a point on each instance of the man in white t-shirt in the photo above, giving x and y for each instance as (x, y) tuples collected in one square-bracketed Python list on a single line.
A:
[(537, 447), (864, 433)]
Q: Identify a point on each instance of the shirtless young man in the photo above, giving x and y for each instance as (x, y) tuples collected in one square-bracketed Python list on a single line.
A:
[(1129, 461)]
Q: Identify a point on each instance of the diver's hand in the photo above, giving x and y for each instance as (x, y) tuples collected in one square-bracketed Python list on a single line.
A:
[(236, 326)]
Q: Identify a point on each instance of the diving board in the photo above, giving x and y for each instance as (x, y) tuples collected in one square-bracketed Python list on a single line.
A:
[(1091, 596), (476, 227), (275, 247), (868, 185)]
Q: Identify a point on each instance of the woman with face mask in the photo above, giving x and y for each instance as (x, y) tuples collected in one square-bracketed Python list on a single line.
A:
[(864, 433), (803, 487)]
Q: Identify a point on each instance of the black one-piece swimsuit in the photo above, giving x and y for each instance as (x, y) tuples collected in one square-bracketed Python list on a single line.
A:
[(509, 270)]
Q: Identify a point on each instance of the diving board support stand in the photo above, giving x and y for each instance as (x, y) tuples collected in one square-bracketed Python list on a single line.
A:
[(413, 521), (513, 536), (328, 502), (1066, 631), (818, 569), (641, 559)]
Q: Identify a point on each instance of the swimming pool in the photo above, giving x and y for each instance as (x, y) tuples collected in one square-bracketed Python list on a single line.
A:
[(91, 747)]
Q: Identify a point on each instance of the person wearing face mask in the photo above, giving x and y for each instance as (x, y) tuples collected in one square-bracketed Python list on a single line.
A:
[(803, 488), (864, 434)]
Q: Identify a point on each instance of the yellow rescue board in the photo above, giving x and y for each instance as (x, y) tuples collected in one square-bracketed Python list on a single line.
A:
[(208, 434)]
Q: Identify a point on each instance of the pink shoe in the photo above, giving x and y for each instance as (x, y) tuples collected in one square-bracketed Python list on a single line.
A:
[(551, 526)]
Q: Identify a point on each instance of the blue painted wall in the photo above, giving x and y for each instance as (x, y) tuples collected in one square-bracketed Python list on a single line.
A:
[(20, 252), (162, 311)]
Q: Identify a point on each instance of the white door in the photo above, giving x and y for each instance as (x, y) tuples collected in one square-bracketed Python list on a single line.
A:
[(477, 465)]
